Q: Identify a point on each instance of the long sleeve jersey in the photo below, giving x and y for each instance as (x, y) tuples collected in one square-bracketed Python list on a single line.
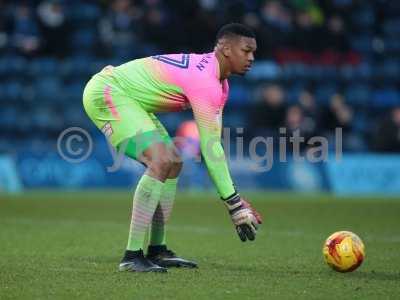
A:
[(174, 82)]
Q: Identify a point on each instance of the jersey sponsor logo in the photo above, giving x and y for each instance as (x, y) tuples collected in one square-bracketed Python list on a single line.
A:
[(107, 130), (183, 63)]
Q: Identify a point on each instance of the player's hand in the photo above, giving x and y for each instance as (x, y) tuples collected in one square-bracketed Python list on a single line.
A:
[(244, 217), (247, 204)]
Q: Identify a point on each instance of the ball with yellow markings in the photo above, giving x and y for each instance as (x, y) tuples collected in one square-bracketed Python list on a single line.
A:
[(344, 251)]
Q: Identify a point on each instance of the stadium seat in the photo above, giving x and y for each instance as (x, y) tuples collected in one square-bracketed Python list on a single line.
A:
[(77, 68), (364, 18), (72, 94), (391, 27), (392, 45), (12, 66), (45, 66), (47, 90), (264, 70), (293, 91), (386, 97), (83, 40), (8, 117), (358, 94), (42, 118), (324, 92), (390, 69), (362, 43), (81, 13), (239, 95), (11, 91)]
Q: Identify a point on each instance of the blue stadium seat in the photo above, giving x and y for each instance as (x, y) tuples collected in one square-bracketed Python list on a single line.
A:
[(364, 18), (83, 39), (324, 92), (76, 67), (46, 66), (47, 90), (239, 95), (391, 8), (72, 93), (358, 94), (12, 65), (361, 72), (8, 117), (264, 70), (391, 27), (386, 97), (364, 70), (234, 119), (360, 123), (362, 43), (24, 123), (83, 13), (390, 69), (42, 118), (293, 92), (392, 45), (11, 91), (294, 71)]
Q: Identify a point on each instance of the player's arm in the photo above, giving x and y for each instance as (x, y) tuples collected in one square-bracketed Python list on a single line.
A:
[(208, 116)]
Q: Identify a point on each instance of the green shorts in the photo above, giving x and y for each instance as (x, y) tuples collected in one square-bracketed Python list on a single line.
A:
[(122, 119)]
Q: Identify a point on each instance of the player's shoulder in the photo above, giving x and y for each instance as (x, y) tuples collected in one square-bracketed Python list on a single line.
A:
[(203, 64)]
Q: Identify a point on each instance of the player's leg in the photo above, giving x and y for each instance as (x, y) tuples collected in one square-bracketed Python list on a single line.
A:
[(129, 128), (158, 251), (164, 208), (146, 199)]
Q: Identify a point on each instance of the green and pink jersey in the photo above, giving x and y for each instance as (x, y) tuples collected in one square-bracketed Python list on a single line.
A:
[(167, 83)]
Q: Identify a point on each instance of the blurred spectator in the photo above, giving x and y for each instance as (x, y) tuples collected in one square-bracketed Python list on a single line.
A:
[(335, 38), (275, 15), (307, 34), (5, 25), (272, 27), (295, 121), (120, 28), (387, 136), (154, 21), (54, 27), (26, 36), (338, 114), (294, 118), (269, 113), (310, 110)]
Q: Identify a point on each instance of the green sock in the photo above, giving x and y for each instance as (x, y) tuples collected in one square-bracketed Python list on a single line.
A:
[(145, 200), (163, 212)]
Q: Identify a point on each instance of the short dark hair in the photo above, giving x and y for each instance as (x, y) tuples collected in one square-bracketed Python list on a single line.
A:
[(234, 29)]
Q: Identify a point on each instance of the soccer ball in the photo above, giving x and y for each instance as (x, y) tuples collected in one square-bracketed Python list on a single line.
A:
[(343, 251)]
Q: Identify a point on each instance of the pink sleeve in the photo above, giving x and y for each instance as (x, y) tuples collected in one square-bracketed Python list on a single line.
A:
[(207, 105)]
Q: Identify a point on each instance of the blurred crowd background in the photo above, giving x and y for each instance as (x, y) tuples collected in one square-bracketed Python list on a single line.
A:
[(320, 64)]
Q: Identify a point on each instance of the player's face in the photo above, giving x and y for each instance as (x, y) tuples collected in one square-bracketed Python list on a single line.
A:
[(242, 55)]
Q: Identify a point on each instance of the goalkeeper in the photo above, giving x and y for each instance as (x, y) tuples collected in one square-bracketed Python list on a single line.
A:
[(122, 100)]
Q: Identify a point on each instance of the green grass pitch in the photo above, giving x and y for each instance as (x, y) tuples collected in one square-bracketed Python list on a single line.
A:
[(67, 245)]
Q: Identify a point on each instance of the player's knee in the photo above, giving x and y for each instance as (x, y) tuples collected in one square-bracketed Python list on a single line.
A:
[(161, 166), (177, 167), (176, 164)]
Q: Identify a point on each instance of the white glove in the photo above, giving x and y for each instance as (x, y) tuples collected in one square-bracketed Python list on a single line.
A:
[(243, 218)]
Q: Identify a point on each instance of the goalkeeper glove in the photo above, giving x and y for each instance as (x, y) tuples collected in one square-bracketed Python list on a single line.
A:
[(244, 217)]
